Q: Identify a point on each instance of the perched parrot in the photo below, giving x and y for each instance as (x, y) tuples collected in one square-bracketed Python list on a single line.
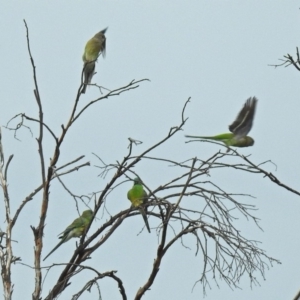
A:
[(239, 128), (138, 196), (93, 48), (76, 229)]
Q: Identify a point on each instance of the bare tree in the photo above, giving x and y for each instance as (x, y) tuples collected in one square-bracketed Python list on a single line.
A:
[(288, 60), (226, 253)]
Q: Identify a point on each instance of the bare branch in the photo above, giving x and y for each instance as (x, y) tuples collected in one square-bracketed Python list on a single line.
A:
[(130, 86), (89, 284), (289, 60)]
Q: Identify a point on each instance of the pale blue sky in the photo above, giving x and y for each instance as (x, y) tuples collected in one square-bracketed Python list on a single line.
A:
[(217, 53)]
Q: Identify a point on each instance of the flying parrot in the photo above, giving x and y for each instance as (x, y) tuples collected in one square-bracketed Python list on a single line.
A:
[(138, 196), (93, 48), (76, 229), (239, 128)]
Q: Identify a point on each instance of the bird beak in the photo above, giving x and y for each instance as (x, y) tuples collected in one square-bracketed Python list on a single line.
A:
[(104, 30)]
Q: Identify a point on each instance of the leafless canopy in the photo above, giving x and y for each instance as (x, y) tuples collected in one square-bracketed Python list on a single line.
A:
[(288, 60), (224, 251)]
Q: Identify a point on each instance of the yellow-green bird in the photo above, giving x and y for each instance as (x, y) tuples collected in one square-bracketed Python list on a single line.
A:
[(239, 128), (93, 48), (76, 229), (138, 196)]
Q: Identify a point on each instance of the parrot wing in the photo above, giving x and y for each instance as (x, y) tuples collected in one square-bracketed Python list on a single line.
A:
[(244, 121)]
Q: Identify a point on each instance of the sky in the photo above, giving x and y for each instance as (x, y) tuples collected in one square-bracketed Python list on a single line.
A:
[(219, 53)]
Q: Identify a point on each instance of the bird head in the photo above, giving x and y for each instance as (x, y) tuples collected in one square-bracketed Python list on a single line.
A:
[(87, 213), (101, 37), (249, 141), (137, 180), (101, 34)]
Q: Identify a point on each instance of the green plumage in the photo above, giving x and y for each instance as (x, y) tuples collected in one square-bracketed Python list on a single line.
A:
[(95, 46), (76, 229), (138, 196), (228, 139), (239, 128)]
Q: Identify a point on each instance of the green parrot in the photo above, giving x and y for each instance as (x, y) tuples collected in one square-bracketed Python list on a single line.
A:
[(239, 128), (138, 196), (93, 48), (76, 229)]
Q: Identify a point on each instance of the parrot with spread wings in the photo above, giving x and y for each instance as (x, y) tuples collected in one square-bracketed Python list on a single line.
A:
[(239, 128)]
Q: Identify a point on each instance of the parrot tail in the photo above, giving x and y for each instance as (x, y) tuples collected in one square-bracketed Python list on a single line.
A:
[(142, 211), (83, 89), (61, 242)]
